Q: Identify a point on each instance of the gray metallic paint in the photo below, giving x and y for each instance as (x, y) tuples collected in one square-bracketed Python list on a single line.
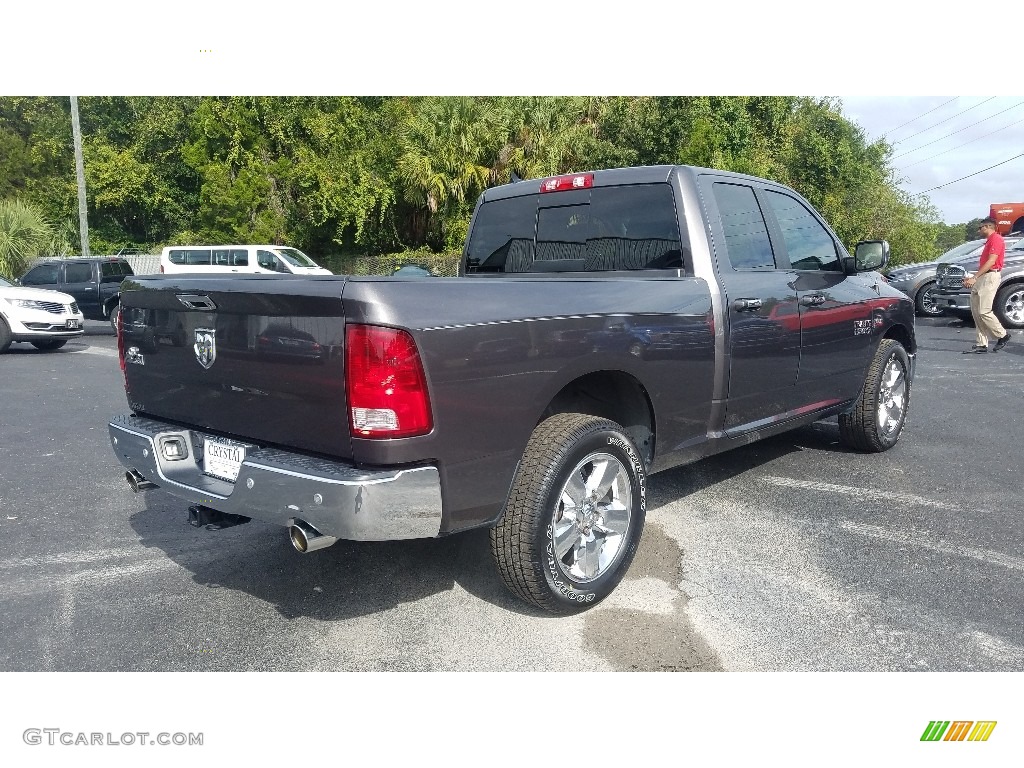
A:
[(498, 350)]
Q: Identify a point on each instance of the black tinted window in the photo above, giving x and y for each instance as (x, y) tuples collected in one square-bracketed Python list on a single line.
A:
[(45, 274), (746, 235), (633, 227), (126, 268), (78, 272), (110, 272), (809, 244), (502, 236), (615, 228), (562, 235)]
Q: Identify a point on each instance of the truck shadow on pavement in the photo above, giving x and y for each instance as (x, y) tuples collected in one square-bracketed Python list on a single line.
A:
[(353, 579)]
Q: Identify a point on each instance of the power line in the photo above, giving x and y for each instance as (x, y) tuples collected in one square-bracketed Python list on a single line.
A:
[(950, 183), (918, 117), (958, 130), (958, 146), (936, 125)]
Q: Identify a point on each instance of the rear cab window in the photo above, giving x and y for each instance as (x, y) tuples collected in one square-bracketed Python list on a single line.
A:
[(601, 229)]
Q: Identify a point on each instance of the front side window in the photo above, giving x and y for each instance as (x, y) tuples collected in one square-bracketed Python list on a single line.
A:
[(746, 235), (267, 260), (45, 274), (809, 244)]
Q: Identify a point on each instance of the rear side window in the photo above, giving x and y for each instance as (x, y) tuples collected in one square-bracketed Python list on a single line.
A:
[(809, 245), (617, 228), (80, 272), (746, 235), (189, 256), (110, 272), (126, 268)]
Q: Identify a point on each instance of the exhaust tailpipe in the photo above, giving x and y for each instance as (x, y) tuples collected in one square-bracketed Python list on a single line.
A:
[(306, 538), (137, 482)]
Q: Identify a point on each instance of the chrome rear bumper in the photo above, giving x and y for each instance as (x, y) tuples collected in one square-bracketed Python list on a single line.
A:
[(278, 486)]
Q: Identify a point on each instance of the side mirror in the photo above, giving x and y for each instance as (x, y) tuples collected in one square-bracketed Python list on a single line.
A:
[(871, 255)]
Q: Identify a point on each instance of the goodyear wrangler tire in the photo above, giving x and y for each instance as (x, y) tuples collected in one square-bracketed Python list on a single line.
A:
[(876, 421), (574, 516)]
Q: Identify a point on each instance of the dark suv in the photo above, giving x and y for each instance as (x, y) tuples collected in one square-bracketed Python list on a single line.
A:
[(94, 282)]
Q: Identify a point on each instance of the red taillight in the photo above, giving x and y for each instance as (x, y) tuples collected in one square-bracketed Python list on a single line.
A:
[(385, 383), (569, 181)]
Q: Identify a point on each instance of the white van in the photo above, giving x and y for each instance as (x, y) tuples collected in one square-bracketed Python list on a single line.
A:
[(261, 259)]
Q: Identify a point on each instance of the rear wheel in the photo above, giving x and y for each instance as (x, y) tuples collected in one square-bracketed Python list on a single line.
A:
[(925, 301), (49, 344), (5, 336), (877, 419), (574, 516), (1009, 306)]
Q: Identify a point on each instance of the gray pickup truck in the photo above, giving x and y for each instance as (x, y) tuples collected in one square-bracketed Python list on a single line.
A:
[(604, 326)]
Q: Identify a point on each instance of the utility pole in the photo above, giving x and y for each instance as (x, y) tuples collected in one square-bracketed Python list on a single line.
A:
[(83, 219)]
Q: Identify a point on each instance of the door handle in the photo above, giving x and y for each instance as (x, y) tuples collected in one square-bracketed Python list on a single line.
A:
[(746, 305), (812, 299)]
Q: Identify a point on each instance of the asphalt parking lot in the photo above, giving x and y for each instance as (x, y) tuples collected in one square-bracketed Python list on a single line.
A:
[(790, 554)]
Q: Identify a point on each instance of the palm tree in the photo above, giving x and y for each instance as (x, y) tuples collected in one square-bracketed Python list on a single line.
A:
[(24, 234), (446, 149)]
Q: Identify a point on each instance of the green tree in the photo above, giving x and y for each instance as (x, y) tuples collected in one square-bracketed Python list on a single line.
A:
[(24, 235)]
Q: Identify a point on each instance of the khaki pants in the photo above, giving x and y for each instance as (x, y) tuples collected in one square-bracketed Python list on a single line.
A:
[(985, 321)]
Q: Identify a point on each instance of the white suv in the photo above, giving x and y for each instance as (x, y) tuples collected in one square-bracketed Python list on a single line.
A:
[(44, 319)]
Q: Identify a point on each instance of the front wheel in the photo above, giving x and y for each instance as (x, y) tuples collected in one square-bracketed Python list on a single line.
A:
[(5, 336), (574, 516), (1009, 306), (877, 419), (114, 312), (50, 344), (925, 301)]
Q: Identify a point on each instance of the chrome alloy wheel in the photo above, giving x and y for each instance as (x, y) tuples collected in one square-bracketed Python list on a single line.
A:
[(892, 397), (589, 524), (1013, 307)]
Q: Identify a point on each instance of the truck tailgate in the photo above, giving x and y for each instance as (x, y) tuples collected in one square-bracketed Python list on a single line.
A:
[(255, 357)]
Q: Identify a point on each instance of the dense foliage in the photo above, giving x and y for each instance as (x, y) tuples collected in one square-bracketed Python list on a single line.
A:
[(345, 175)]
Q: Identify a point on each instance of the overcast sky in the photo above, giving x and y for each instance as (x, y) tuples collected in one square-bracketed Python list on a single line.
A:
[(948, 142)]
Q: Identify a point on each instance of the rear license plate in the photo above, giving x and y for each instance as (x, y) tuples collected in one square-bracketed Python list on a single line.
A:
[(222, 459), (73, 324)]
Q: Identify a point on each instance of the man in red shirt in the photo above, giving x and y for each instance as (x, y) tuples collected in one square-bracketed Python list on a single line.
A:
[(983, 287)]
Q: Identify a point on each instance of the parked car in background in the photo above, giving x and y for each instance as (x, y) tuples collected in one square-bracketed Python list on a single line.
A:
[(227, 259), (954, 299), (413, 270), (44, 319), (95, 282), (918, 280)]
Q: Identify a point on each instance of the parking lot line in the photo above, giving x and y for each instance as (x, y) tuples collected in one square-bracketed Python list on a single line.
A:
[(903, 498), (95, 351), (925, 541)]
